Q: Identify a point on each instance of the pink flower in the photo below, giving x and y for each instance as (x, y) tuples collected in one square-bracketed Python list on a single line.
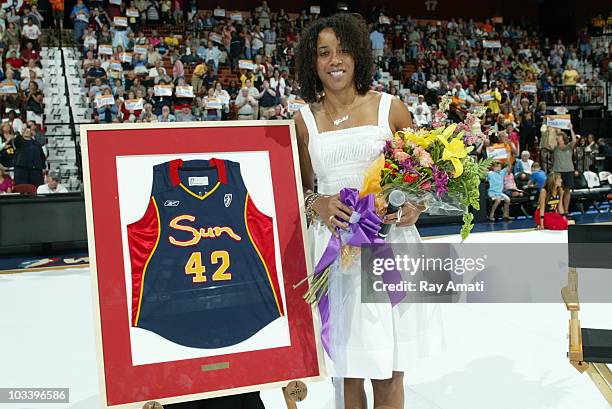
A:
[(426, 185), (397, 143), (423, 157), (400, 155)]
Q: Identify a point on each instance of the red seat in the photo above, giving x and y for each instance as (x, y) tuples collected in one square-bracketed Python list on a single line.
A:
[(25, 189)]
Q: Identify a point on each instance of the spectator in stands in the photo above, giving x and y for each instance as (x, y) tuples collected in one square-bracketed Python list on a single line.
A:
[(96, 72), (184, 115), (550, 212), (278, 113), (270, 40), (267, 101), (52, 186), (246, 105), (31, 32), (570, 76), (197, 77), (210, 104), (378, 43), (605, 152), (495, 177), (538, 176), (418, 75), (80, 18), (225, 99), (7, 145), (30, 53), (510, 188), (29, 160), (57, 8), (563, 163), (6, 182), (166, 116), (419, 116), (414, 40), (524, 164), (147, 114)]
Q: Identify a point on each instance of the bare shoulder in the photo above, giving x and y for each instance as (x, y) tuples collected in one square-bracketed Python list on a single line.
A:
[(399, 116), (300, 128)]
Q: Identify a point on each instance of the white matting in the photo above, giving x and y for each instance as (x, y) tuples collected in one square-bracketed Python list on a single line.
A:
[(497, 355)]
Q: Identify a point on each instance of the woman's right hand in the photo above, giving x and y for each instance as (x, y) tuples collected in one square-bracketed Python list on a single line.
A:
[(540, 227), (332, 212)]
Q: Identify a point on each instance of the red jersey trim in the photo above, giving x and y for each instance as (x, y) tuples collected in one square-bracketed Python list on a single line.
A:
[(143, 238), (176, 164), (261, 233)]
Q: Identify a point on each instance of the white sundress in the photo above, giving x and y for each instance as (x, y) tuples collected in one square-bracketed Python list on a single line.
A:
[(372, 340)]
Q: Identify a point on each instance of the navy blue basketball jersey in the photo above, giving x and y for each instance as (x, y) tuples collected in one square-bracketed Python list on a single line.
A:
[(202, 257)]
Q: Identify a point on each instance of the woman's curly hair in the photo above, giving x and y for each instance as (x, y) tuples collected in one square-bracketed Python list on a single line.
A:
[(352, 33)]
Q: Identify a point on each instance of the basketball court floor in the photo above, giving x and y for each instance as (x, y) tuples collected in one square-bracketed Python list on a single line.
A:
[(496, 356)]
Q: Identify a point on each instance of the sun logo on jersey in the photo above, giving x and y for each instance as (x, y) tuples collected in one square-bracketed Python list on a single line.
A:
[(198, 233), (227, 200)]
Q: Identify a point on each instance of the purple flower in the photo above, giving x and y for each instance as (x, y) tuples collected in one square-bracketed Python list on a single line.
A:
[(388, 149), (440, 180), (407, 165)]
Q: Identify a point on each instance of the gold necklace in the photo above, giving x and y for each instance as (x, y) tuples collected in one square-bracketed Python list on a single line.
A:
[(341, 119)]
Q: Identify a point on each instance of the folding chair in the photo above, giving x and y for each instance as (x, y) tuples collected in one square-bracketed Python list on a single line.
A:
[(590, 350)]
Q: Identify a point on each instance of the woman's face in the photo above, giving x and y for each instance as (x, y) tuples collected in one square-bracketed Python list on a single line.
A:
[(335, 66)]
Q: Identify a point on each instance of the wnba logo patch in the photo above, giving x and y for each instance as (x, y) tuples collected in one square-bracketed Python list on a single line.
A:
[(227, 200)]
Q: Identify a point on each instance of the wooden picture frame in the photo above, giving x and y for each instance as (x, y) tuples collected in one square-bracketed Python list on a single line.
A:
[(126, 383)]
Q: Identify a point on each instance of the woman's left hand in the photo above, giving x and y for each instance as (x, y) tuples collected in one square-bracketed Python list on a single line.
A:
[(407, 217)]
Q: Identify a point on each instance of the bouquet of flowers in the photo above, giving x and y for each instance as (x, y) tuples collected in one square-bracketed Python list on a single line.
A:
[(432, 167)]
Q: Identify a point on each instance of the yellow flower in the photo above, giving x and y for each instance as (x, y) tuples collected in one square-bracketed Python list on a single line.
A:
[(454, 150), (423, 139)]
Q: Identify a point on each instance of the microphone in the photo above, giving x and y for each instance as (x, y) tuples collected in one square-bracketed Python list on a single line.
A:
[(397, 198)]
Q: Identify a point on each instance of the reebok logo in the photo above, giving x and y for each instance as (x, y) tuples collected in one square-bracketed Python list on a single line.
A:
[(171, 203)]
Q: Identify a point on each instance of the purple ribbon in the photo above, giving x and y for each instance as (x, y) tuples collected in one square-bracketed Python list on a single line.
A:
[(364, 226)]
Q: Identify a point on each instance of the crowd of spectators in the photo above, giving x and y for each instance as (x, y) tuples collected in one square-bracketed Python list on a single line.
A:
[(22, 139), (165, 61), (218, 66)]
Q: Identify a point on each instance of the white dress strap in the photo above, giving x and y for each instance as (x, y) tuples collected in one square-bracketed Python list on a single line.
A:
[(384, 108), (310, 122)]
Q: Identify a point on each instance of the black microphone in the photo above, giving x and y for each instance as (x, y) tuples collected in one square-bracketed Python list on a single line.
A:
[(397, 198)]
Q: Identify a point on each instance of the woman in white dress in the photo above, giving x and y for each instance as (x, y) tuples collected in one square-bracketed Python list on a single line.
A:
[(340, 132)]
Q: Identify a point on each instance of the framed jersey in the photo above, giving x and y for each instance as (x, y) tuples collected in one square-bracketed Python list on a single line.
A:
[(196, 238)]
